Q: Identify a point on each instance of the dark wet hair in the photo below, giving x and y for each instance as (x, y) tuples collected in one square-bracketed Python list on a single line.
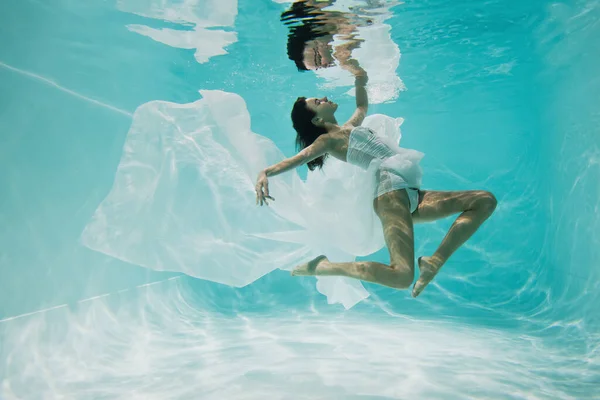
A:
[(307, 28), (307, 132)]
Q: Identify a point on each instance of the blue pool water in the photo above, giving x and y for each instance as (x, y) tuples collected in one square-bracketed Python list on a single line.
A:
[(500, 96)]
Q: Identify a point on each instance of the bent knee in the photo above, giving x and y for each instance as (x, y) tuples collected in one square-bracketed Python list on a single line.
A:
[(403, 277), (486, 201)]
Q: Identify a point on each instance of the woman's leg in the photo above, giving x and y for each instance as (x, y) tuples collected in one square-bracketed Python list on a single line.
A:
[(393, 210), (475, 207)]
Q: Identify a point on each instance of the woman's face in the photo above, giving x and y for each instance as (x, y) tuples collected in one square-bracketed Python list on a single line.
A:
[(317, 53), (322, 107)]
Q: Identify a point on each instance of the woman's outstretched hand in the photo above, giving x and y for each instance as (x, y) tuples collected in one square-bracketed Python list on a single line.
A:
[(262, 189)]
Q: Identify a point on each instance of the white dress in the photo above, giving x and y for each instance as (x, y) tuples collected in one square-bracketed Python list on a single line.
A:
[(396, 168), (183, 199)]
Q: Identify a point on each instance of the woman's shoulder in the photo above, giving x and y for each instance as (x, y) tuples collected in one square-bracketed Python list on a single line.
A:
[(337, 140), (343, 132), (337, 143)]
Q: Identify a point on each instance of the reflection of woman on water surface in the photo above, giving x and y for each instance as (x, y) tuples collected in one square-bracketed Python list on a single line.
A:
[(311, 31), (397, 199)]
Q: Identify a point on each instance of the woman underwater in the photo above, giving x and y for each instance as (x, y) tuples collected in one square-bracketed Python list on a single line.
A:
[(397, 202)]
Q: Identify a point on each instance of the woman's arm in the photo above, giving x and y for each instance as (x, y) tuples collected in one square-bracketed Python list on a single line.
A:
[(360, 84), (362, 100), (318, 148)]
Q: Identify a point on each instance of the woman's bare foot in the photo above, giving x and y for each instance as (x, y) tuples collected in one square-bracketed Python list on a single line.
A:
[(427, 271), (309, 267)]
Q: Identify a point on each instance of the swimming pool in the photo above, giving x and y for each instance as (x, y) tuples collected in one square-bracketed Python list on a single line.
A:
[(498, 95)]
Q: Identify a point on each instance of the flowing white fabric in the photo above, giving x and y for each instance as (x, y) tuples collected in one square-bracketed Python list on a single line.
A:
[(183, 200)]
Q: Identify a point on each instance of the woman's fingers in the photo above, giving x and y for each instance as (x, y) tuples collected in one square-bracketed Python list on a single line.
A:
[(262, 193), (260, 196)]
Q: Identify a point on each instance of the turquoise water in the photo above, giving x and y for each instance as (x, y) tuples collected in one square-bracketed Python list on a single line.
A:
[(500, 96)]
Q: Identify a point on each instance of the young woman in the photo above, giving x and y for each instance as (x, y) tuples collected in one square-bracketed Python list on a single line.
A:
[(397, 202)]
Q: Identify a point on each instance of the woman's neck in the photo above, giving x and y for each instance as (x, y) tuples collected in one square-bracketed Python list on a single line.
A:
[(331, 125)]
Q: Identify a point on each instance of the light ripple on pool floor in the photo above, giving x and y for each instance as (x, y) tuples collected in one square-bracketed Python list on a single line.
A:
[(153, 344)]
